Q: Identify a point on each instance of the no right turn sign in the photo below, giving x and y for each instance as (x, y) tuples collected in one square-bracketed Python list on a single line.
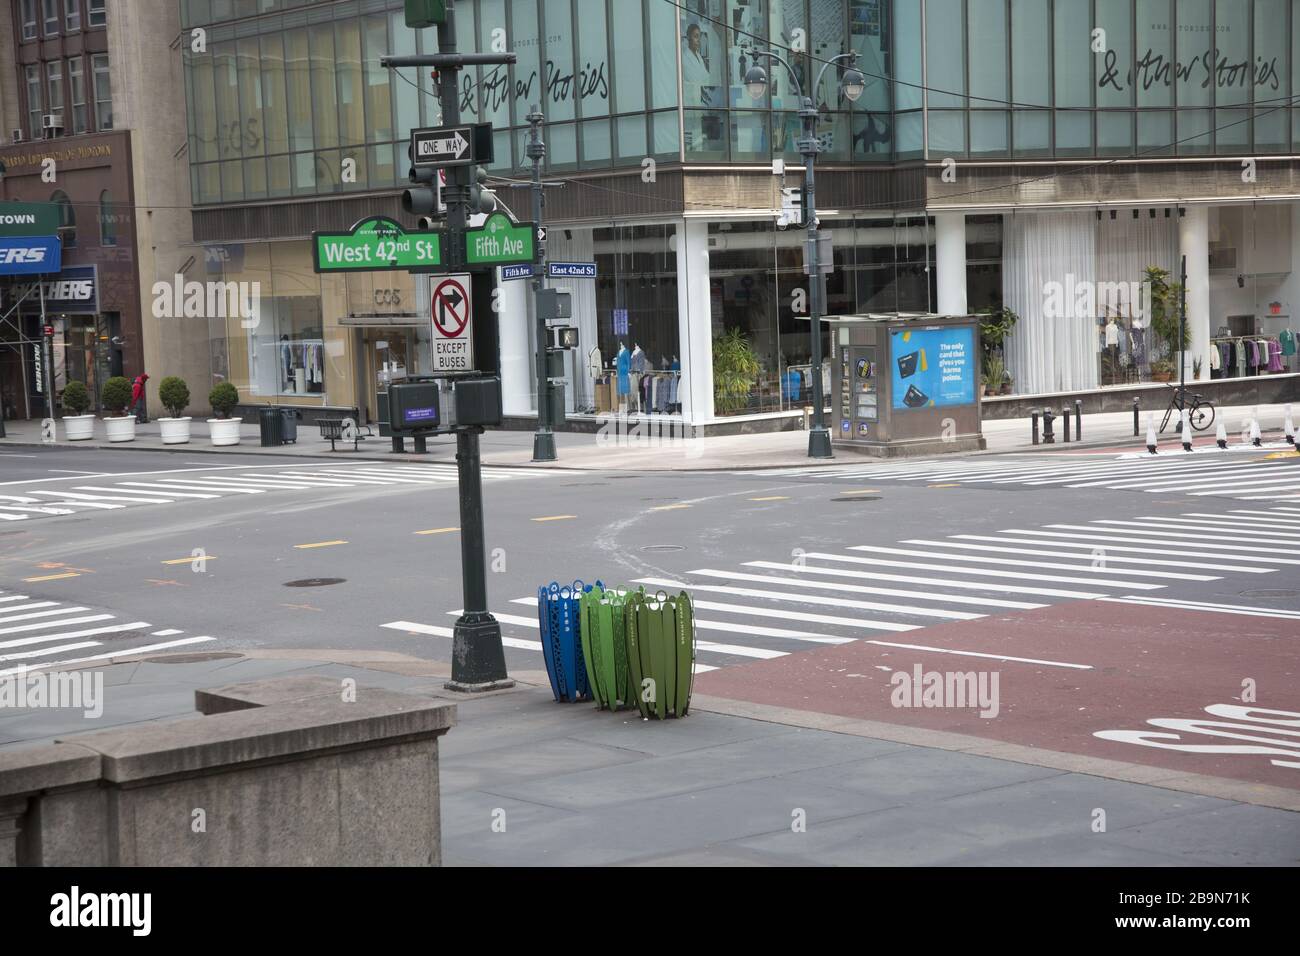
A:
[(453, 324)]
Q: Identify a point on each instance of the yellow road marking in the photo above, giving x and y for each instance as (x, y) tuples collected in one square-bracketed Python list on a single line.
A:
[(319, 544), (957, 485), (205, 557), (53, 577), (669, 507), (555, 518), (773, 498), (861, 491), (438, 531)]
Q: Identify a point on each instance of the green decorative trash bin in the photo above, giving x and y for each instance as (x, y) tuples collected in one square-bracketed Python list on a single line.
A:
[(602, 631), (660, 640)]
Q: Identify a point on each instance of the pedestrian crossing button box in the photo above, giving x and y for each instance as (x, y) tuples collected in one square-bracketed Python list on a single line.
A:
[(414, 407), (478, 401)]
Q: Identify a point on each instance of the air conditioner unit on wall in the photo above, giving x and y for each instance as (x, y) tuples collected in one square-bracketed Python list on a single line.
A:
[(15, 136), (52, 122)]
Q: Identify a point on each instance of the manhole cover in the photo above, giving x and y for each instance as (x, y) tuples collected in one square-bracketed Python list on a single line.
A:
[(664, 547), (1272, 593), (859, 498), (190, 658), (314, 582)]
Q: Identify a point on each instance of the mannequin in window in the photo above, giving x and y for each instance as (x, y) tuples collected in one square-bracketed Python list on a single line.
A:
[(622, 364), (637, 368)]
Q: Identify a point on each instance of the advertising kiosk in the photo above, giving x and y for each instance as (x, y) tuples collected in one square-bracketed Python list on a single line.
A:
[(905, 384)]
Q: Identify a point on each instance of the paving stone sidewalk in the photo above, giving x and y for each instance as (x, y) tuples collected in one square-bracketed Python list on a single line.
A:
[(528, 782)]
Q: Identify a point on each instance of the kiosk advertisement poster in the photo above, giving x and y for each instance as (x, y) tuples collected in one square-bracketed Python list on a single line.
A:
[(933, 368)]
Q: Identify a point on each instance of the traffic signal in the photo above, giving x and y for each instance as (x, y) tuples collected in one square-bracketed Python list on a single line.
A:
[(421, 199), (425, 13), (481, 199)]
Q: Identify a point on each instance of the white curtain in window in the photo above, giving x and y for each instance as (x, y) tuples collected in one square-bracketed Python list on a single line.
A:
[(1039, 249)]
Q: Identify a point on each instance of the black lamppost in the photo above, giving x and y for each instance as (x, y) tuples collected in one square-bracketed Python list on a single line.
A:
[(851, 85)]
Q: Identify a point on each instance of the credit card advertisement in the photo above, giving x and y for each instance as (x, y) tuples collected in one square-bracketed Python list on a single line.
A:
[(933, 368)]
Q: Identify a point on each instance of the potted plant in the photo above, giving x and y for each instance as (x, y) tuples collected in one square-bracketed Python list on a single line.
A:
[(735, 370), (78, 425), (115, 397), (1006, 383), (995, 372), (175, 396), (223, 429), (1162, 370), (1196, 369)]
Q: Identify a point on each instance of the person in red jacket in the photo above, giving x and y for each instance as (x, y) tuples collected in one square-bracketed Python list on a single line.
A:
[(137, 395)]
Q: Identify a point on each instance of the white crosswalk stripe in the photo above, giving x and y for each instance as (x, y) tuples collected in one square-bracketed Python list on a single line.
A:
[(1271, 473), (51, 634), (768, 609), (56, 497)]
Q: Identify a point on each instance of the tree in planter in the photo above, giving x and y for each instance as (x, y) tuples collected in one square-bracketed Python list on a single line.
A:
[(996, 323), (115, 397), (75, 399), (995, 373), (1165, 297), (735, 370), (223, 398), (175, 395)]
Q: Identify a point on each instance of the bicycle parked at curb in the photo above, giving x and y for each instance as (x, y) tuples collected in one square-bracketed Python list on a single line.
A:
[(1200, 411)]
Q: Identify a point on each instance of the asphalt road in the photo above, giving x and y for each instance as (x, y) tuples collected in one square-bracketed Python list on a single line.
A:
[(1106, 592)]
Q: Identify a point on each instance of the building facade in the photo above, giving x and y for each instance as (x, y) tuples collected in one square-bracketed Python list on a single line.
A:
[(1037, 155), (92, 120)]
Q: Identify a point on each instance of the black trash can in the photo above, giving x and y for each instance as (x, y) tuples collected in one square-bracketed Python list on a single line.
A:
[(271, 425), (289, 427)]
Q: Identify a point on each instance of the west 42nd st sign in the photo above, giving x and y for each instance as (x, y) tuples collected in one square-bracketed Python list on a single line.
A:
[(375, 245), (501, 242)]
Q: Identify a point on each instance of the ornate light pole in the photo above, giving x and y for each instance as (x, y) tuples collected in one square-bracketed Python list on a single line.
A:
[(851, 85)]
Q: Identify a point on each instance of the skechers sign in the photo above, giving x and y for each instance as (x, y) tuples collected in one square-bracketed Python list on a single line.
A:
[(72, 291), (30, 255)]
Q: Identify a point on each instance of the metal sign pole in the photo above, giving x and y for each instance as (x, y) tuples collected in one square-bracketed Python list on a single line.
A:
[(544, 440)]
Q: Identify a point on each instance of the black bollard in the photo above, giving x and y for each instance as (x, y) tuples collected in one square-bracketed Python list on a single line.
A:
[(1078, 419), (1033, 417), (1049, 437), (1065, 424), (1136, 431)]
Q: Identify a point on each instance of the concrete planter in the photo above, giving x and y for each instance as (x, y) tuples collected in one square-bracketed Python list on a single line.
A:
[(79, 427), (121, 429), (224, 431), (175, 431)]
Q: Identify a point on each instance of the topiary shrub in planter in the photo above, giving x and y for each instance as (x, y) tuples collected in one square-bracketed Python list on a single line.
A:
[(223, 429), (175, 396), (115, 397), (77, 424)]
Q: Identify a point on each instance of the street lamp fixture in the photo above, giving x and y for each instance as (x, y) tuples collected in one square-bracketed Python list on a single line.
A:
[(852, 84)]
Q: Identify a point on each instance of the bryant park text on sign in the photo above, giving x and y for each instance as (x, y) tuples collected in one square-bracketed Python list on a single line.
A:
[(374, 245)]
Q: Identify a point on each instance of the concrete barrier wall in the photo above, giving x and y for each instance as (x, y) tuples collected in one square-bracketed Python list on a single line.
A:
[(276, 773)]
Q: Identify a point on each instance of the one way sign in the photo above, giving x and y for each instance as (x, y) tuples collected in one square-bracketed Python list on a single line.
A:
[(443, 146)]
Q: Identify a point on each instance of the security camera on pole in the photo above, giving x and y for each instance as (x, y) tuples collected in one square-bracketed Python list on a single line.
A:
[(818, 258)]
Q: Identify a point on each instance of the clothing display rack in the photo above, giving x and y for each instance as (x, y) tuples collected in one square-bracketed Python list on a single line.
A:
[(1241, 356), (305, 356)]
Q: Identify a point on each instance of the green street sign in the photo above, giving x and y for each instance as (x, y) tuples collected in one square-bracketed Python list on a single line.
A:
[(29, 219), (425, 13), (500, 242), (376, 244)]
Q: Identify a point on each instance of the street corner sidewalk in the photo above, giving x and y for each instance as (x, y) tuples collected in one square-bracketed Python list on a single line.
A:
[(526, 781)]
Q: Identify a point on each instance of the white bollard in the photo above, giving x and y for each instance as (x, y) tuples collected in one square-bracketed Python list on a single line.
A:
[(1221, 436), (1151, 433), (1288, 427), (1255, 438), (1184, 429)]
